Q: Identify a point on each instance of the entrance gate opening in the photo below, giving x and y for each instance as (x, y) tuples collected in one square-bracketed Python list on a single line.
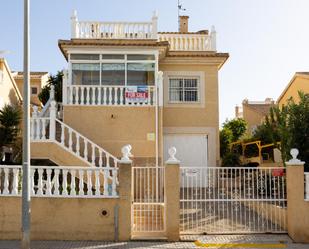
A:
[(218, 200)]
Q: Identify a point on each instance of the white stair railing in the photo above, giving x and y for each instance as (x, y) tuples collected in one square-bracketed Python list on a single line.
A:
[(46, 181), (82, 147), (51, 129)]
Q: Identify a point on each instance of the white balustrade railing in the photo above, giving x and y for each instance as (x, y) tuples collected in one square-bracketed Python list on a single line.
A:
[(74, 182), (82, 147), (190, 42), (51, 129), (307, 186), (108, 96), (39, 129), (113, 30)]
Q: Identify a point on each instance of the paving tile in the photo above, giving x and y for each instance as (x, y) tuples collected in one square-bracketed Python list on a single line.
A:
[(158, 245)]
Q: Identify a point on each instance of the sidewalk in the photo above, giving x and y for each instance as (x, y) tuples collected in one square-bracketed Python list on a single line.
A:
[(258, 240)]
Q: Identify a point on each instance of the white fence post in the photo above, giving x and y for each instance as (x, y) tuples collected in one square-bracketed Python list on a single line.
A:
[(154, 25), (213, 37), (160, 88), (74, 24), (52, 122), (64, 87)]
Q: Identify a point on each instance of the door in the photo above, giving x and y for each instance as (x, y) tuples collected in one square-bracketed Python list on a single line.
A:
[(191, 149), (192, 154)]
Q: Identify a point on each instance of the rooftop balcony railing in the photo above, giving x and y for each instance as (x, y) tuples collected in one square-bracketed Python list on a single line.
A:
[(189, 41), (142, 30), (113, 30)]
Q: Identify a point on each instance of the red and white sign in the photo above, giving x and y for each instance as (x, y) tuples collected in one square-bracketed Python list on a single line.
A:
[(136, 94)]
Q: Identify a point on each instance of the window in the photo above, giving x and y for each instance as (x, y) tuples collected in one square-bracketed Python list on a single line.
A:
[(34, 90), (86, 73), (113, 74), (113, 69), (140, 74), (136, 57), (84, 56), (183, 90)]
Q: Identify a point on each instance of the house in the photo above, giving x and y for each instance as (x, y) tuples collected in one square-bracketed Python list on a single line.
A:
[(127, 83), (253, 112), (9, 92), (37, 81), (299, 82)]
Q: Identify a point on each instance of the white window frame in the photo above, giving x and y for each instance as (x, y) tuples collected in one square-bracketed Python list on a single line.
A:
[(198, 88), (184, 74), (125, 61)]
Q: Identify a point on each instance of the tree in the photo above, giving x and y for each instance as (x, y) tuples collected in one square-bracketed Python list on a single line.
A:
[(231, 131), (10, 118), (237, 126), (298, 126), (56, 81), (290, 126)]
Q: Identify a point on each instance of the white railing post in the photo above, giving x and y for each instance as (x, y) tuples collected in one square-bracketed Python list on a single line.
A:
[(52, 93), (154, 25), (160, 88), (213, 37), (33, 129), (52, 121), (64, 87), (74, 25)]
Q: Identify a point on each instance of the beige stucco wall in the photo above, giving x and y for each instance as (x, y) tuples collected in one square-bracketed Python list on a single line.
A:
[(113, 127), (55, 153), (252, 117), (300, 83), (72, 218), (59, 219), (298, 208), (38, 82), (199, 118), (8, 94)]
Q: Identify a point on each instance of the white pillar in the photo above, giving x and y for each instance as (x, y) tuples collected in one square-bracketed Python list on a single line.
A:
[(160, 88), (213, 37), (64, 86), (155, 25), (52, 122), (74, 25), (52, 93)]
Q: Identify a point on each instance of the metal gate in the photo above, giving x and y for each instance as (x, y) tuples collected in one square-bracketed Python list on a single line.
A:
[(148, 201), (232, 200)]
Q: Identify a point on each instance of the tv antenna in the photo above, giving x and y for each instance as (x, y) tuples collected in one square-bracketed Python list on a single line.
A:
[(180, 8)]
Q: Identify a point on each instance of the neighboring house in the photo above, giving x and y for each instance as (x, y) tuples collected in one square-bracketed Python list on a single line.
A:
[(9, 93), (253, 112), (126, 83), (37, 81), (299, 82)]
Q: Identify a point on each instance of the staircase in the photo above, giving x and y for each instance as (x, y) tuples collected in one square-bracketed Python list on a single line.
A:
[(55, 140)]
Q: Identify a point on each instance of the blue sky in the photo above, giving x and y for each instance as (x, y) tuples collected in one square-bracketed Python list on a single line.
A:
[(268, 40)]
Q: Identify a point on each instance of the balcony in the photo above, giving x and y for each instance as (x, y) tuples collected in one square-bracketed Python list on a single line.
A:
[(87, 95), (113, 30), (190, 41), (178, 41)]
